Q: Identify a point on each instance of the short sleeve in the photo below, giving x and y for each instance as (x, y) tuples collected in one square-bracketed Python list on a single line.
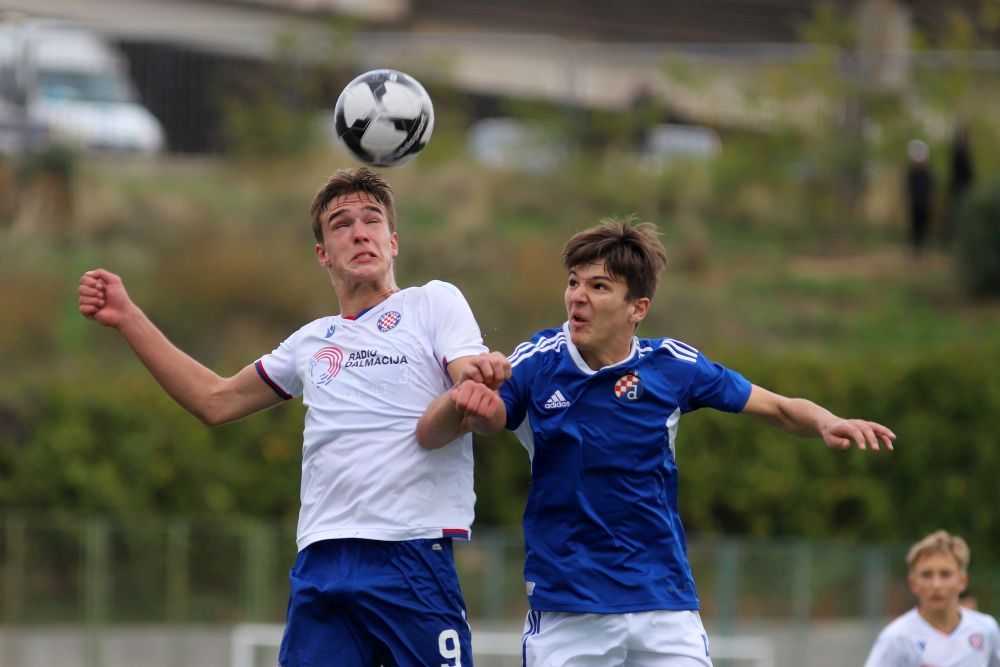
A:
[(514, 392), (278, 369), (453, 330), (715, 386)]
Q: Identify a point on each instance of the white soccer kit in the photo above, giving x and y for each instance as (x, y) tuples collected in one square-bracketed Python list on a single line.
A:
[(910, 641), (365, 382)]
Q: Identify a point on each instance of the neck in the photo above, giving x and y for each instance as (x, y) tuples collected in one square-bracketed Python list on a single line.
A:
[(362, 296), (945, 620), (598, 359)]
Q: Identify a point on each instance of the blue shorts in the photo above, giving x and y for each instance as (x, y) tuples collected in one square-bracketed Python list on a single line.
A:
[(364, 603)]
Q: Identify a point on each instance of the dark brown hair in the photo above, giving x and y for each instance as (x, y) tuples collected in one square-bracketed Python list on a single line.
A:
[(348, 181), (631, 252)]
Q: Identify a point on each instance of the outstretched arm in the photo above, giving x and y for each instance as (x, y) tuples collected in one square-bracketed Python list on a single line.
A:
[(805, 418), (206, 395), (472, 404)]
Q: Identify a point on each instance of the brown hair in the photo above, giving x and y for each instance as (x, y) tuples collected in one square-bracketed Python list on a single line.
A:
[(347, 181), (631, 251), (940, 542)]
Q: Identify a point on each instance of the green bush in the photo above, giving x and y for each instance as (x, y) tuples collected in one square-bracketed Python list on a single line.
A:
[(977, 250)]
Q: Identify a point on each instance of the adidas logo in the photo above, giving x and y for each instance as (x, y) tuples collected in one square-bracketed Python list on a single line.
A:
[(556, 400)]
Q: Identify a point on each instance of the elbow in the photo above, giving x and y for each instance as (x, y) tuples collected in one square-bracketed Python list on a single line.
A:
[(425, 438), (210, 418), (211, 413)]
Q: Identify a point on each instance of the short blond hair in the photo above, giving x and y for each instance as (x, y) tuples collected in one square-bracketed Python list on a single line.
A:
[(942, 542)]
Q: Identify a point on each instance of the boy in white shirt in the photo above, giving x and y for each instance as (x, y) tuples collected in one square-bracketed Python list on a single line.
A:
[(940, 631), (374, 582)]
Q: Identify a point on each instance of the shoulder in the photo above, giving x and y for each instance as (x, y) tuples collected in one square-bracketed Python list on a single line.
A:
[(310, 328), (439, 287), (669, 348), (899, 627), (983, 621), (898, 635), (547, 343), (434, 296)]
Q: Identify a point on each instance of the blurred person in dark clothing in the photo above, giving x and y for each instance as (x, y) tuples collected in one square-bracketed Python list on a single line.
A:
[(920, 192), (962, 175)]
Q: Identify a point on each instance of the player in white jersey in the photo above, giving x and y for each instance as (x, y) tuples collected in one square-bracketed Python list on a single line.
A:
[(374, 581), (940, 631), (597, 408)]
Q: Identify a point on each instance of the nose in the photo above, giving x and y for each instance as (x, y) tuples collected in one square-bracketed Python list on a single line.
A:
[(359, 231), (575, 293)]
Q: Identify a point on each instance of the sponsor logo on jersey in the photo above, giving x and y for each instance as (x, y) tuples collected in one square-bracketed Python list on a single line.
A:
[(365, 358), (388, 320), (977, 641), (325, 365), (329, 332), (529, 586), (556, 400), (628, 386)]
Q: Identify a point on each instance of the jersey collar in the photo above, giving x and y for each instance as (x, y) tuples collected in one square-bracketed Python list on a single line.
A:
[(578, 358)]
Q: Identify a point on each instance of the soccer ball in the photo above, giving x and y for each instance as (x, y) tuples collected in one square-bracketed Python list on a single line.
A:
[(384, 117)]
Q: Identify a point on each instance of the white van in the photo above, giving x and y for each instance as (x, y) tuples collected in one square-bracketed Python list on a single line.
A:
[(75, 85)]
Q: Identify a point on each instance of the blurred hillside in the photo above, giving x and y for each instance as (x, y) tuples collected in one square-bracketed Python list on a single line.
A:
[(220, 255), (788, 262)]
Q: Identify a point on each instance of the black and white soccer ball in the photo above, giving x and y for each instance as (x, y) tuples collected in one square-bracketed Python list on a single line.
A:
[(384, 117)]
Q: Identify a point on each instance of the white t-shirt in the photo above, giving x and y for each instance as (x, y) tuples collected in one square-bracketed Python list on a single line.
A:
[(365, 382), (910, 641)]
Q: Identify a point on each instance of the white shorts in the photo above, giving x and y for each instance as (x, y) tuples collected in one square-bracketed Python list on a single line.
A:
[(638, 639)]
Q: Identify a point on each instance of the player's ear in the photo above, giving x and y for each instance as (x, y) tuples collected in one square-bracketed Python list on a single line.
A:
[(321, 255), (394, 244), (638, 309)]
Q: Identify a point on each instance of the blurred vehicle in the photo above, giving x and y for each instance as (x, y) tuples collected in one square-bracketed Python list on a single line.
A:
[(506, 143), (73, 84), (668, 142)]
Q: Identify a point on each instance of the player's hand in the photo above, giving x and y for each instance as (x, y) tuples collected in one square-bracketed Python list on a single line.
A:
[(489, 368), (475, 399), (103, 298), (841, 433)]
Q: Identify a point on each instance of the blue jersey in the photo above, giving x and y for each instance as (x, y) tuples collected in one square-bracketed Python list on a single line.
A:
[(601, 527)]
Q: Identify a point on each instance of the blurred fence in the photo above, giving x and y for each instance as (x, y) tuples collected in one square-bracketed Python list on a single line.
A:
[(89, 591)]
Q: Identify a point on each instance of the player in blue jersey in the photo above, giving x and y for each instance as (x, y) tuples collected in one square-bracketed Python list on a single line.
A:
[(374, 581), (597, 408)]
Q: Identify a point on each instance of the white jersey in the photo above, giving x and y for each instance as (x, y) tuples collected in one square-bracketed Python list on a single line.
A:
[(910, 641), (365, 382)]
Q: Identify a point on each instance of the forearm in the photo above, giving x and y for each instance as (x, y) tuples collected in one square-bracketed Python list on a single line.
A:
[(195, 387), (801, 416), (488, 425), (468, 406), (798, 416), (441, 423)]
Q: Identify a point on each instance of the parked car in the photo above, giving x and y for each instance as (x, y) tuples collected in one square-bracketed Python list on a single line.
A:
[(74, 84), (669, 142), (507, 143)]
